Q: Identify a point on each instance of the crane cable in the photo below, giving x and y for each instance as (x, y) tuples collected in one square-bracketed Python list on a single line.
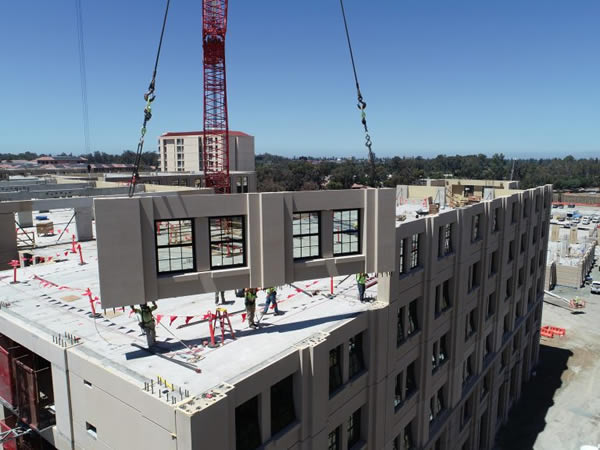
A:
[(82, 76), (149, 97), (362, 105)]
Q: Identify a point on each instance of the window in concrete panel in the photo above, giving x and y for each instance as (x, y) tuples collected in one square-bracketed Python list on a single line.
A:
[(485, 385), (355, 354), (401, 261), (474, 276), (283, 412), (535, 235), (399, 390), (436, 404), (496, 220), (400, 337), (247, 425), (509, 287), (333, 440), (440, 353), (532, 266), (175, 245), (445, 243), (413, 321), (506, 325), (242, 185), (537, 203), (227, 242), (91, 430), (519, 309), (475, 227), (470, 323), (521, 276), (409, 441), (488, 348), (468, 367), (544, 230), (335, 369), (467, 411), (414, 251), (541, 258), (442, 298), (513, 212), (523, 242), (306, 235), (491, 305), (354, 428), (483, 425), (516, 343), (346, 232), (511, 251), (526, 208), (411, 380), (493, 263)]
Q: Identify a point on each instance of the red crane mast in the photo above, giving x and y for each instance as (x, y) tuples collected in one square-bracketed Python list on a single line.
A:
[(215, 149)]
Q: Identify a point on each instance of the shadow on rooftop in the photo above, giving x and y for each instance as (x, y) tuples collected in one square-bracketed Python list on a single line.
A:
[(527, 418)]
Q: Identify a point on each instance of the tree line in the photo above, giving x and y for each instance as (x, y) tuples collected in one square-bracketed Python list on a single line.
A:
[(277, 173), (148, 159)]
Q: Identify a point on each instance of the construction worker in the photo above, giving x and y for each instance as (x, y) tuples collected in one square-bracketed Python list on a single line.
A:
[(361, 281), (146, 321), (271, 299), (222, 297), (250, 302)]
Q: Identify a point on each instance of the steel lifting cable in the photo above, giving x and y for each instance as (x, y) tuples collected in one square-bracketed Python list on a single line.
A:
[(149, 97), (362, 105)]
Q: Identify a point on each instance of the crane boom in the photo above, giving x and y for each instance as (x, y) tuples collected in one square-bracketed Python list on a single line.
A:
[(215, 149)]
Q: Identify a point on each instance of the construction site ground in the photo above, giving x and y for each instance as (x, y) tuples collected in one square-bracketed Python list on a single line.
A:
[(560, 406)]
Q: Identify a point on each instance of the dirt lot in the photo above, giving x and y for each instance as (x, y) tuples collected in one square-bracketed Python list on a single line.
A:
[(560, 407)]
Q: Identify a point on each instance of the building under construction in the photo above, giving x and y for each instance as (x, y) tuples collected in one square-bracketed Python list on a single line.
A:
[(435, 358)]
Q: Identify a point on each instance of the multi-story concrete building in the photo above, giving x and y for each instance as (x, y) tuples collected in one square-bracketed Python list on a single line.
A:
[(182, 151), (433, 359)]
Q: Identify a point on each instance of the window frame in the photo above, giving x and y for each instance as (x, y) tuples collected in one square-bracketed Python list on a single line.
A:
[(243, 241), (354, 428), (338, 381), (278, 414), (356, 358), (191, 245), (415, 260), (300, 235), (358, 232)]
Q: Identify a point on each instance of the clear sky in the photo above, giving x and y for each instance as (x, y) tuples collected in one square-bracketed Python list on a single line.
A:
[(464, 76)]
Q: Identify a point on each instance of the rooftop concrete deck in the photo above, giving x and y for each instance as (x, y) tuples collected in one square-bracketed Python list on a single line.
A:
[(49, 300)]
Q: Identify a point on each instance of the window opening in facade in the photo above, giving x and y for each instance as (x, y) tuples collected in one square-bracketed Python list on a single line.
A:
[(355, 348), (354, 429), (283, 412), (411, 381), (445, 240), (335, 369), (175, 245), (401, 258), (414, 251), (247, 426), (413, 323), (475, 232), (306, 235), (346, 232), (400, 337), (334, 440), (227, 242)]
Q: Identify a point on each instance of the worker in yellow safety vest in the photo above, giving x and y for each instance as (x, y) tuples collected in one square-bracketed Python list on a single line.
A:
[(271, 299), (361, 281), (146, 321), (250, 303)]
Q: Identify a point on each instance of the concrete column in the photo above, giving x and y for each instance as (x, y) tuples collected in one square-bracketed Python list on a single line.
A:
[(25, 218), (83, 222), (8, 240)]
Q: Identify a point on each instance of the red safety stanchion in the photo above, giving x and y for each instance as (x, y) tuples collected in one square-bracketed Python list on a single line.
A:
[(14, 263), (73, 245), (331, 285), (81, 262)]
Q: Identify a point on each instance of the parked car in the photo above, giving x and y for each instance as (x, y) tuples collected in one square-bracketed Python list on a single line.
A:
[(595, 289), (571, 205), (585, 221), (561, 206)]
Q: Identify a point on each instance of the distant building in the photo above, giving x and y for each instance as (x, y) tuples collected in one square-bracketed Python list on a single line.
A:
[(182, 151), (63, 159)]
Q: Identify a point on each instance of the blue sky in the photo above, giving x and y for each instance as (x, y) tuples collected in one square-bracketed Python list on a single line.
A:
[(463, 76)]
